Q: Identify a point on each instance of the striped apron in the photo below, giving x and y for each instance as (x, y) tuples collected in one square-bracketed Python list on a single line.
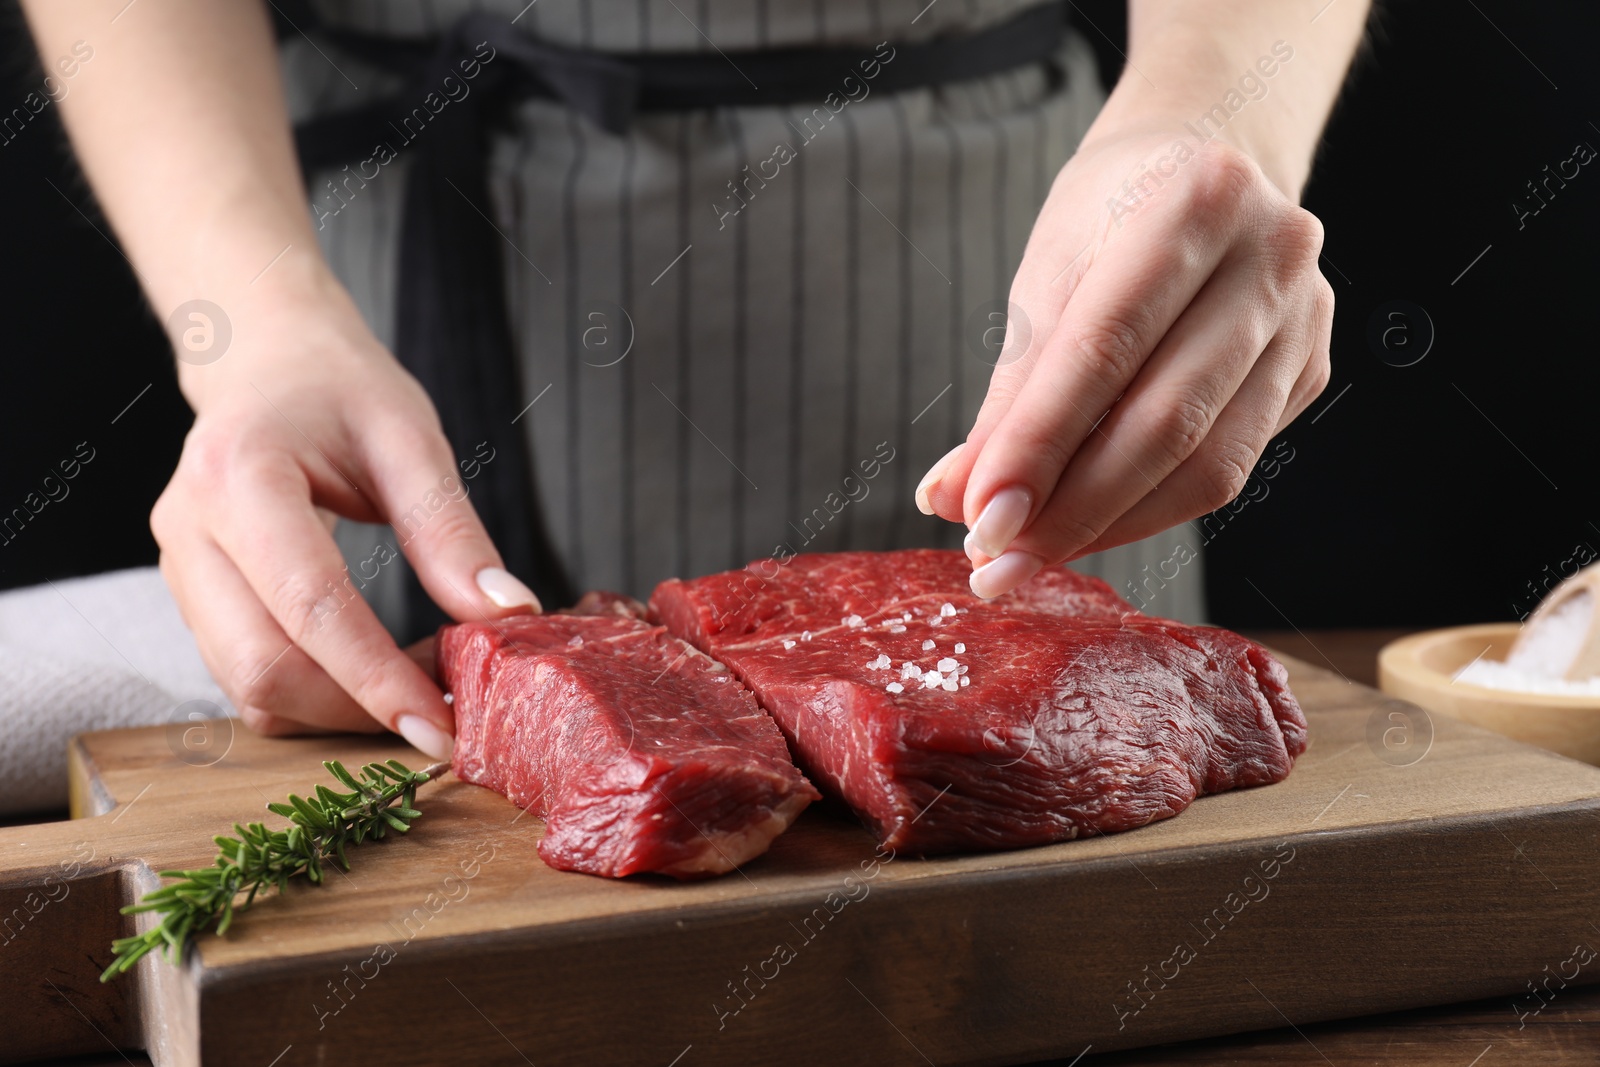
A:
[(741, 330)]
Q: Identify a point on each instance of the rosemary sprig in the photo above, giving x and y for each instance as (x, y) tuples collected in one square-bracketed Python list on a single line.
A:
[(383, 798)]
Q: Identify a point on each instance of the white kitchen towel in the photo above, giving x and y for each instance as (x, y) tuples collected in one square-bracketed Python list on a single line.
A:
[(84, 654)]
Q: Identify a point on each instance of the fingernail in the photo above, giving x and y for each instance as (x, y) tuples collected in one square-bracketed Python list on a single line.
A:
[(931, 479), (1001, 520), (1004, 574), (425, 737), (502, 587)]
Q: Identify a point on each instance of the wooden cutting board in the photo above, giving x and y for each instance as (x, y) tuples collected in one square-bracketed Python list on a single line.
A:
[(1403, 863)]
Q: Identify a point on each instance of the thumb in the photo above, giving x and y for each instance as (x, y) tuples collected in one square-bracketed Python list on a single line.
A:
[(426, 502)]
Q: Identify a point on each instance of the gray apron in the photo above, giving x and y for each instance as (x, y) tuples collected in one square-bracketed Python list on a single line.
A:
[(742, 330)]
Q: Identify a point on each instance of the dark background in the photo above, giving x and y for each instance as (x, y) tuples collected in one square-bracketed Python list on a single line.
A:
[(1421, 495)]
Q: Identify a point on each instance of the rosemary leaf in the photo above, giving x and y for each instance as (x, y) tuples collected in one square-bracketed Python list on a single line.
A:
[(383, 797)]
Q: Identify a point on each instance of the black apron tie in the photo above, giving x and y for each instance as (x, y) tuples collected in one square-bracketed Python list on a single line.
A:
[(452, 330)]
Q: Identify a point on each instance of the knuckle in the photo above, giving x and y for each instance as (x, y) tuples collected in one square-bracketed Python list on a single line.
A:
[(1179, 427), (1294, 244), (300, 604), (404, 426), (256, 679), (1224, 179), (271, 470), (1111, 346), (1299, 237), (1223, 475), (453, 524), (1040, 445), (1006, 380), (1068, 531), (219, 456), (207, 456)]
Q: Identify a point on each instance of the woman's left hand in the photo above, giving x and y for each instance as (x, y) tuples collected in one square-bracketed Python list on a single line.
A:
[(1168, 319)]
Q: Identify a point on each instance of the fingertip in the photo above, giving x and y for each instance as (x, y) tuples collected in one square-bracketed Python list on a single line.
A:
[(425, 736), (1004, 574), (975, 554), (930, 481), (506, 591), (946, 501)]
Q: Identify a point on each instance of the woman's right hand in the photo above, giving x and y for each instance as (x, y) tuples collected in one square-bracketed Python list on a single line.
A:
[(304, 418)]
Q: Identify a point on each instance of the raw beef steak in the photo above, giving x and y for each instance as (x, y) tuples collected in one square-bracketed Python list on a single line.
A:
[(948, 722), (641, 753)]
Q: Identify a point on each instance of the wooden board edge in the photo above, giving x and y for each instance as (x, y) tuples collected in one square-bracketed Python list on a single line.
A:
[(582, 930), (1031, 971), (87, 794)]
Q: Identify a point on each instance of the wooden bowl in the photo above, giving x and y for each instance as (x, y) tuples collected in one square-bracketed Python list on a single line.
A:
[(1420, 668)]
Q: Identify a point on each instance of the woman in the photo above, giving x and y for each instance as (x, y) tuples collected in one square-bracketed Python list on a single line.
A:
[(737, 323)]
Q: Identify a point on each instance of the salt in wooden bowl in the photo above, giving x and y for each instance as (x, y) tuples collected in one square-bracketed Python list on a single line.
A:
[(1421, 668)]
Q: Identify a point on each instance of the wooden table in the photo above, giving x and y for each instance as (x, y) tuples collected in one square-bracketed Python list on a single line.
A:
[(1479, 1034)]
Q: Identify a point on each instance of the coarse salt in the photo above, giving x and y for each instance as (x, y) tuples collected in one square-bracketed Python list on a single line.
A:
[(965, 681), (906, 617), (897, 628), (910, 670), (787, 644), (1551, 640), (947, 609), (946, 665), (950, 685), (805, 635), (895, 687), (854, 621), (961, 646), (928, 644), (576, 642), (932, 680), (449, 698), (881, 663), (1493, 674)]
